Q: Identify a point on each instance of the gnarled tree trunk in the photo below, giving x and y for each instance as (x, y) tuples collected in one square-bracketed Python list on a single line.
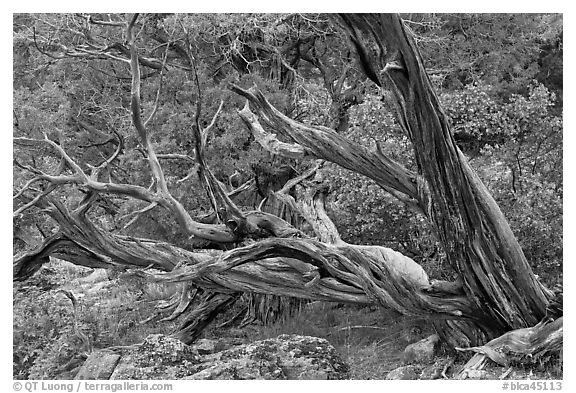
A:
[(476, 236)]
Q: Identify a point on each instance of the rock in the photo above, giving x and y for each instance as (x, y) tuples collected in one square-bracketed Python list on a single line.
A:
[(284, 357), (432, 372), (206, 346), (99, 365), (422, 351), (475, 374), (440, 369), (158, 357), (404, 372), (162, 357)]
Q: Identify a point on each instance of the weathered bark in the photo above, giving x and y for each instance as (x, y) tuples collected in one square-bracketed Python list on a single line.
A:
[(211, 304), (477, 238), (309, 204), (82, 243), (301, 268), (322, 142)]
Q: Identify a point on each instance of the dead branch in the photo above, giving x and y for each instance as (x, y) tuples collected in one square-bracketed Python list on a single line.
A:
[(527, 345), (269, 141), (218, 233), (155, 107), (327, 144), (137, 214), (80, 178)]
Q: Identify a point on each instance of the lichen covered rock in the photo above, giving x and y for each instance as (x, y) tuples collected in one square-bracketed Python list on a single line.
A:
[(284, 357), (99, 365), (422, 351), (206, 346), (158, 357)]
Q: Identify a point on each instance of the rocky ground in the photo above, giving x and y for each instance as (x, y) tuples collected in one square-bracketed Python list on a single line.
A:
[(321, 341), (163, 357), (284, 357)]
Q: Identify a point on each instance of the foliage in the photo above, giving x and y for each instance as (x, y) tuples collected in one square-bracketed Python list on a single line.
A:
[(517, 148), (109, 312), (38, 321), (540, 231), (506, 51), (480, 117)]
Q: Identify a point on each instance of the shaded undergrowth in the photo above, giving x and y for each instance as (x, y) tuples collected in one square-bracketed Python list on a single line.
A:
[(52, 338)]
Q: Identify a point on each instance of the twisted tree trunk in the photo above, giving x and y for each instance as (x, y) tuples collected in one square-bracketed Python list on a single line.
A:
[(476, 236)]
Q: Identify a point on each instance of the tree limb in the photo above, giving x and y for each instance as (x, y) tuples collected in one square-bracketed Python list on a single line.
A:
[(325, 143), (211, 232)]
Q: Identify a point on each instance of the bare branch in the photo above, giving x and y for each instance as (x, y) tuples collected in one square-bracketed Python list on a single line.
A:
[(327, 144), (97, 54), (155, 108), (175, 156), (92, 20), (225, 209), (214, 232), (209, 127), (300, 178), (80, 178), (42, 50), (97, 170), (268, 140), (71, 163), (262, 204), (34, 201), (243, 187), (137, 214), (27, 185), (187, 177)]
